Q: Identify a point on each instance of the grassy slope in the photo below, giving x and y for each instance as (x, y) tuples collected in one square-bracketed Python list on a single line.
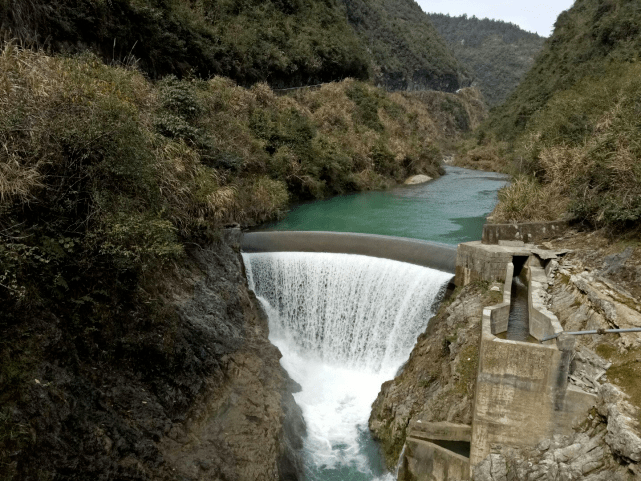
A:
[(106, 178), (497, 53), (571, 129), (407, 51)]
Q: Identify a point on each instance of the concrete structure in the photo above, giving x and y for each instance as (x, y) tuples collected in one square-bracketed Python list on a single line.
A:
[(478, 262), (522, 394), (529, 232), (423, 253), (428, 455)]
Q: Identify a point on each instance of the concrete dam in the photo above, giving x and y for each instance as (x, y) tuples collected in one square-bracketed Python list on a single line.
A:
[(345, 311)]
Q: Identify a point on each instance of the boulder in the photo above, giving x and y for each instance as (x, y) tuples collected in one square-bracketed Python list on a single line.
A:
[(417, 179)]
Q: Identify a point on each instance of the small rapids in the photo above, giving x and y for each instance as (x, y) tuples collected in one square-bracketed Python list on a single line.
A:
[(344, 324)]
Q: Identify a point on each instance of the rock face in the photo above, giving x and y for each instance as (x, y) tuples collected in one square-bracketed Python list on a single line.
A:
[(198, 395), (437, 382), (246, 426)]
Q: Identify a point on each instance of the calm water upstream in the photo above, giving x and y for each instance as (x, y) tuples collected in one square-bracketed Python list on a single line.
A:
[(450, 209), (345, 324)]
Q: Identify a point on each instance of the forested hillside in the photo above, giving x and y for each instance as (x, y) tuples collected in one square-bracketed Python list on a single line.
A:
[(285, 43), (408, 53), (497, 53), (571, 129)]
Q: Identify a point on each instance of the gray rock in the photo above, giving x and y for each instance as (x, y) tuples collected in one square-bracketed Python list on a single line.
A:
[(492, 468), (621, 436), (613, 264)]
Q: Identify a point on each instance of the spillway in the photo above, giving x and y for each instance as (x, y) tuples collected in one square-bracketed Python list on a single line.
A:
[(344, 324)]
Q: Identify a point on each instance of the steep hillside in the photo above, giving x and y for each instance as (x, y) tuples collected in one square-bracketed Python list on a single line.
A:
[(590, 40), (407, 52), (285, 43), (571, 129), (497, 53)]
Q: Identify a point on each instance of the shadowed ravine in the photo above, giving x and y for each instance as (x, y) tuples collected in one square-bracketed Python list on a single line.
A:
[(345, 324)]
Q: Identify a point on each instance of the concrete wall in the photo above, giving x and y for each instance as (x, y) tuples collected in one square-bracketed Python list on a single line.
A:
[(542, 321), (478, 262), (521, 394), (499, 314), (532, 232), (428, 254), (425, 461)]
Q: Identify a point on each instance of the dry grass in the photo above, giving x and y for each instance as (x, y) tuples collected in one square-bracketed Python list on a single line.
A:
[(526, 200)]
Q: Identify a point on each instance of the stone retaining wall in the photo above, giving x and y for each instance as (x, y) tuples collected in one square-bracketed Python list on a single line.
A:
[(528, 232)]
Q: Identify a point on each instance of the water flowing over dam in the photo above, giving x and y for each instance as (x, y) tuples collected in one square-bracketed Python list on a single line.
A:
[(345, 324)]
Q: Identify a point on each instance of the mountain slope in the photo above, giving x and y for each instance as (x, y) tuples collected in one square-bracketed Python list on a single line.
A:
[(590, 39), (571, 128), (497, 53), (408, 53), (286, 43)]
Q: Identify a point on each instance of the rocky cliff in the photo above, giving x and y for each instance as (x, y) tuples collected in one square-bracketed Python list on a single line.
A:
[(199, 395)]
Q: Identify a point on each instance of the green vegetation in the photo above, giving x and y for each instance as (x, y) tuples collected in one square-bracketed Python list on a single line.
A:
[(284, 42), (497, 53), (408, 53), (571, 129)]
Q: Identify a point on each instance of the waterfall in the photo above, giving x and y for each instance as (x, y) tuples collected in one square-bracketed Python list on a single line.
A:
[(345, 324)]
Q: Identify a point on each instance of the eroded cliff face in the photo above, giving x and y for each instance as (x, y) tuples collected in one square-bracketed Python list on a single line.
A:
[(246, 424), (199, 395), (437, 383)]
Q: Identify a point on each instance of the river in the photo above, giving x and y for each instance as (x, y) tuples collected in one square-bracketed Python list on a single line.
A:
[(451, 209)]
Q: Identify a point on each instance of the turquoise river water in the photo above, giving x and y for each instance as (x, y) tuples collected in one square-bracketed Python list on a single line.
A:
[(345, 324), (450, 210)]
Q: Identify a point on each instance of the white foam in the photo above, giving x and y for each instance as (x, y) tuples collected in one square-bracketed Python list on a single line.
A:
[(344, 324)]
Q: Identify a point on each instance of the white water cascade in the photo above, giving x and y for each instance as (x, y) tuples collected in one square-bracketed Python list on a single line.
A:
[(344, 324)]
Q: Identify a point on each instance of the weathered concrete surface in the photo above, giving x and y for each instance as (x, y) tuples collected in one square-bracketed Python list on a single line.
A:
[(521, 394), (542, 321), (531, 232), (424, 458), (423, 253), (425, 461), (604, 448), (499, 314), (478, 262), (443, 431)]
